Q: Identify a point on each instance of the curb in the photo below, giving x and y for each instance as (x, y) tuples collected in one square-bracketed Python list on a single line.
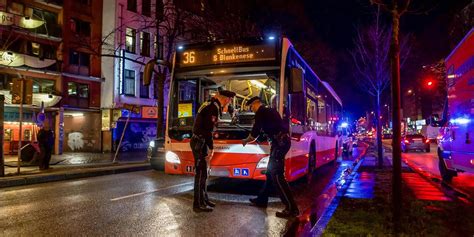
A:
[(321, 224), (71, 174)]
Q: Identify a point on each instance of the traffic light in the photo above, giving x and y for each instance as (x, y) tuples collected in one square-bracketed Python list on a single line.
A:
[(429, 83), (148, 72)]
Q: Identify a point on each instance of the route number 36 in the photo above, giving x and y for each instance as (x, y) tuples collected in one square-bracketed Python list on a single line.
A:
[(189, 57)]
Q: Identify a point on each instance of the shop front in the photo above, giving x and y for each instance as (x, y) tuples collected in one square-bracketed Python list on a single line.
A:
[(139, 131), (82, 131), (29, 127)]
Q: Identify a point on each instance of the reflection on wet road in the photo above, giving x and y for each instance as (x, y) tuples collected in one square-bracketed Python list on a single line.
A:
[(153, 203)]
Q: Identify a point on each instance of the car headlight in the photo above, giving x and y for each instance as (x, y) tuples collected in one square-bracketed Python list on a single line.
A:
[(152, 144), (171, 157), (263, 163)]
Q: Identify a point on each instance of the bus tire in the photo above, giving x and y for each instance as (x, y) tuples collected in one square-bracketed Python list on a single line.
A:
[(446, 174), (311, 163)]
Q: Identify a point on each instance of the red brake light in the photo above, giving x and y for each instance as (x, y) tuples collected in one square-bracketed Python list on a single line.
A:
[(295, 121), (427, 141), (406, 141)]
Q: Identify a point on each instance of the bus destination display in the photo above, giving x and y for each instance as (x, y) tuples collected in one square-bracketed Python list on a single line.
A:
[(224, 54)]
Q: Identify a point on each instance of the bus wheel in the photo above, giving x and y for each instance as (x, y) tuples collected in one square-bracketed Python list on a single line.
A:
[(311, 164), (446, 174)]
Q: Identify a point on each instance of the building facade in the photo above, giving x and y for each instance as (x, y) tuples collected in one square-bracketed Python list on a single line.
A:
[(53, 44), (131, 40)]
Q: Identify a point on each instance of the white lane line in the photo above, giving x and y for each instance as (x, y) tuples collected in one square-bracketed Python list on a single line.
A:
[(152, 191)]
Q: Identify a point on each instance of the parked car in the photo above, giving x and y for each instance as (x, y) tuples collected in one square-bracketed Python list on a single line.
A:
[(415, 142), (156, 154)]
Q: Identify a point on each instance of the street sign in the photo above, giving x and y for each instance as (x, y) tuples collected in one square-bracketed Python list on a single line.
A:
[(245, 172), (132, 108)]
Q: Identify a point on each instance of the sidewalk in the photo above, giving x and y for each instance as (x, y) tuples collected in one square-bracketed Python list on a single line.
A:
[(364, 208), (72, 165)]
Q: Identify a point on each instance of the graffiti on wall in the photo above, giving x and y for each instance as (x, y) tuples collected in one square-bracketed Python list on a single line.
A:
[(137, 135)]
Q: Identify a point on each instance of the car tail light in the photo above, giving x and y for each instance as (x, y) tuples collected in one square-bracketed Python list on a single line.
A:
[(406, 141), (427, 141)]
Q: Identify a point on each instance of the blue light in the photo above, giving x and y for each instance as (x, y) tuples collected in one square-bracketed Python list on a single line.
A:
[(344, 125), (271, 37), (460, 121), (180, 47)]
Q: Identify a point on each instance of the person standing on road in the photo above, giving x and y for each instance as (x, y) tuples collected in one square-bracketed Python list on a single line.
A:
[(202, 146), (46, 143), (269, 121)]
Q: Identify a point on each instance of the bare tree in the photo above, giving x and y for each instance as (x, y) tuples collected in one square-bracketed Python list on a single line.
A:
[(372, 63), (396, 8)]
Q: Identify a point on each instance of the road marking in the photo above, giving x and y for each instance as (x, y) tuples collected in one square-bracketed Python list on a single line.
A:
[(152, 191)]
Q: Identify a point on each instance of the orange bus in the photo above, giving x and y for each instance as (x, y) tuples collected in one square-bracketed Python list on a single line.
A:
[(267, 67)]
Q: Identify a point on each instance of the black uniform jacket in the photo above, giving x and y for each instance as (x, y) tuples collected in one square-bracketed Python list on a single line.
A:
[(206, 120)]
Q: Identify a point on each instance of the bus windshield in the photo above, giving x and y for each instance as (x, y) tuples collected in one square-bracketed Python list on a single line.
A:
[(236, 121)]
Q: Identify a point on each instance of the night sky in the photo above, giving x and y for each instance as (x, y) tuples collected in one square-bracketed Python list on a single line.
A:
[(332, 24)]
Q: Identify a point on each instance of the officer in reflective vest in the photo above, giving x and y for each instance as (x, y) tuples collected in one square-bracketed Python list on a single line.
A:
[(203, 148), (269, 122)]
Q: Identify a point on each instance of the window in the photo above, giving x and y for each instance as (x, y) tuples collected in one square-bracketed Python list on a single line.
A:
[(145, 43), (130, 40), (159, 10), (144, 91), (78, 89), (146, 7), (85, 2), (132, 5), (128, 87), (321, 124), (79, 58), (159, 45), (42, 85), (82, 28)]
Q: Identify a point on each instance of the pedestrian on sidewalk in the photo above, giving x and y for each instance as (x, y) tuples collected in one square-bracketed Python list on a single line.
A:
[(46, 142), (269, 121), (202, 145)]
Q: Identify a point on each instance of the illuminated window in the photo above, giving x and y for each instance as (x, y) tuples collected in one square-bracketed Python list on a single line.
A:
[(78, 89), (35, 48), (145, 43), (130, 40), (128, 86)]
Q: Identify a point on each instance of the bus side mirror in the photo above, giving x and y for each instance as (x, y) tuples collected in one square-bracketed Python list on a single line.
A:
[(296, 81)]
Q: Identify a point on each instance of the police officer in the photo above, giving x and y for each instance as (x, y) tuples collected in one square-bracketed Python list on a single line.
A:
[(202, 145), (269, 121)]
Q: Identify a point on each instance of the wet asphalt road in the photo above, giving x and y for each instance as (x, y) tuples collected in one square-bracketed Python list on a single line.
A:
[(429, 162), (151, 203)]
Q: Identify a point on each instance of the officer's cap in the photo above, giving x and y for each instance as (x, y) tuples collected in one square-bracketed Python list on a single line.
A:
[(227, 93), (249, 102)]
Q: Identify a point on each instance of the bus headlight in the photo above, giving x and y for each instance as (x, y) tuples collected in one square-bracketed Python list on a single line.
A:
[(152, 144), (171, 157), (263, 163)]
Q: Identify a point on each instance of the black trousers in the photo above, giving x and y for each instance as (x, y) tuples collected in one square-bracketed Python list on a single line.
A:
[(275, 174), (45, 157), (199, 149)]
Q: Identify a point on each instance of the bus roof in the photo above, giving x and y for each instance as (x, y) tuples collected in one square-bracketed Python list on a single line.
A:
[(459, 45), (328, 87), (333, 93)]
